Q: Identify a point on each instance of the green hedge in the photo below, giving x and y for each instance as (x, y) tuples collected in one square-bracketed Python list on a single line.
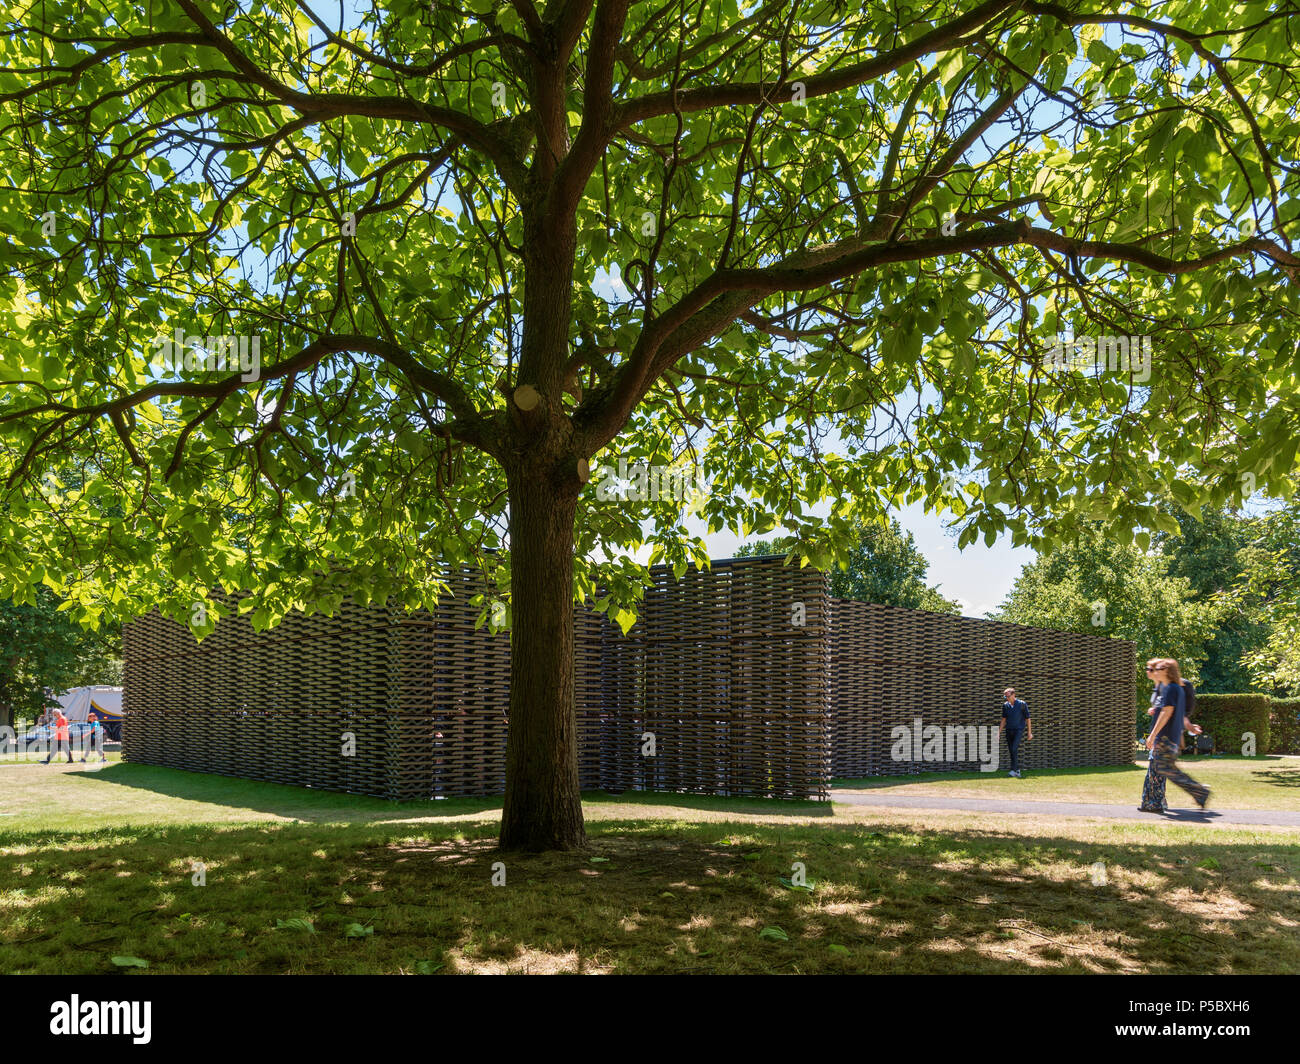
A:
[(1284, 728), (1227, 717)]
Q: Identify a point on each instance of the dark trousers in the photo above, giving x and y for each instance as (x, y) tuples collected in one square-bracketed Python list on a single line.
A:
[(1153, 789), (1013, 744), (1166, 755)]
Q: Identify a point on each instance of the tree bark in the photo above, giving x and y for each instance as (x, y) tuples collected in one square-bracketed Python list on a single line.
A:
[(543, 804)]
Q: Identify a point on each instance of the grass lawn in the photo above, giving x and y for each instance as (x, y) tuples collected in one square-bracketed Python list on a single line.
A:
[(1236, 783), (100, 864)]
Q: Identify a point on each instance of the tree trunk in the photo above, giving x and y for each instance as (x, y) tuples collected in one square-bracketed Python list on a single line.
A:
[(543, 805)]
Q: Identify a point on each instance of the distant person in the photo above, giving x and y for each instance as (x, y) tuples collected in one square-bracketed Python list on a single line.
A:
[(1166, 738), (62, 738), (1014, 724), (1190, 692), (96, 742)]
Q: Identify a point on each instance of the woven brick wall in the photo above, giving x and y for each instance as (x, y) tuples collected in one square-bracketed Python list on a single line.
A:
[(732, 691), (749, 677), (889, 666)]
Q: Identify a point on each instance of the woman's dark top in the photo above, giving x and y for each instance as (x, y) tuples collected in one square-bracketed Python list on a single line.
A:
[(1171, 694)]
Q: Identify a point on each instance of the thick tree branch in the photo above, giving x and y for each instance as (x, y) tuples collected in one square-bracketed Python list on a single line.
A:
[(469, 427), (718, 301), (594, 134), (330, 104), (940, 39)]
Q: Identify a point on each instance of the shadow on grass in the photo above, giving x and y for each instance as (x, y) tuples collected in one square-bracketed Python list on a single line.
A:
[(300, 803), (1278, 777), (309, 804), (648, 897), (743, 804)]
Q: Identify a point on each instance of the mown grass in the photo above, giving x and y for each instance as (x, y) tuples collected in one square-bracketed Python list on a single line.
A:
[(670, 884), (1236, 782)]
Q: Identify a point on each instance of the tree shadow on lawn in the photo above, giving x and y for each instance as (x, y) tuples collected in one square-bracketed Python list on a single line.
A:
[(319, 806), (1278, 777), (749, 805), (300, 803), (648, 897)]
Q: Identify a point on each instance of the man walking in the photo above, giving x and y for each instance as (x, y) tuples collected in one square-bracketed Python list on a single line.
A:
[(1014, 724), (62, 739)]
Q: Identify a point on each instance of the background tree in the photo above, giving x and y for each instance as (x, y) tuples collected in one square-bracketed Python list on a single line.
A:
[(41, 646), (1213, 554), (818, 250), (1267, 594), (883, 566), (1099, 587)]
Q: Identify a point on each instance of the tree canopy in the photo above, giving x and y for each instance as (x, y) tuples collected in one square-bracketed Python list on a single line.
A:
[(1264, 600), (813, 250)]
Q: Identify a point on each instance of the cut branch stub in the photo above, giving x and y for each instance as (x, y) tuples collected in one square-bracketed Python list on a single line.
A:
[(527, 397)]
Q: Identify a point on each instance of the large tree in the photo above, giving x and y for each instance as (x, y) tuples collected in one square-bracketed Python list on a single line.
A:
[(816, 249)]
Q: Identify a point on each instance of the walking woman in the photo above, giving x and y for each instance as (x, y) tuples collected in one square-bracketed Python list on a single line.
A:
[(1166, 738), (1153, 787)]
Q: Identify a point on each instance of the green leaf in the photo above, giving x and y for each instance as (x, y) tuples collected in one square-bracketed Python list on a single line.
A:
[(296, 924), (130, 962), (775, 934)]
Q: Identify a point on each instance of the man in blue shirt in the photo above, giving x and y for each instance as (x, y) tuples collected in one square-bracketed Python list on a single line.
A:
[(1015, 723)]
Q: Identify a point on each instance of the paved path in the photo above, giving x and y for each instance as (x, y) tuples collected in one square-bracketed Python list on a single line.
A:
[(1238, 817)]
